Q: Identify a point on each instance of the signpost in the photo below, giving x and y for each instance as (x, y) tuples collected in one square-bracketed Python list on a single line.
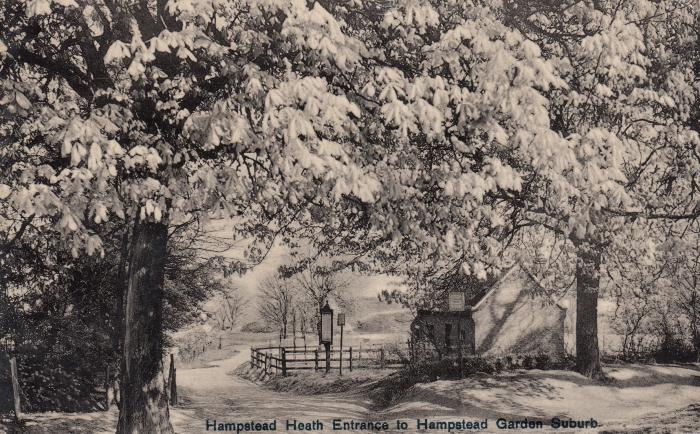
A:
[(456, 302), (341, 323), (327, 333)]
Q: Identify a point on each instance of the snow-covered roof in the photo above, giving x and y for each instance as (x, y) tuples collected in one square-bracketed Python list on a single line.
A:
[(506, 275)]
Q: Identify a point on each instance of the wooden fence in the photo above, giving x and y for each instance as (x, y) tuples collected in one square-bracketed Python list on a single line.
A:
[(285, 359)]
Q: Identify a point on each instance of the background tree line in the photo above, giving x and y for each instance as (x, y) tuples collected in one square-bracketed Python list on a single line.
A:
[(290, 301)]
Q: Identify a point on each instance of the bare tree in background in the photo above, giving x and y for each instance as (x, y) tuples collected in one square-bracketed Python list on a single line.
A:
[(305, 313), (318, 285), (275, 303), (295, 316), (229, 312), (684, 278)]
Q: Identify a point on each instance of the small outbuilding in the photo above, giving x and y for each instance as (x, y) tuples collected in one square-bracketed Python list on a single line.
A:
[(511, 315), (443, 332)]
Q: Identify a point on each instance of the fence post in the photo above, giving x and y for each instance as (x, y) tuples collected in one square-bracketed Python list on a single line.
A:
[(381, 358), (316, 360), (284, 362), (350, 359), (15, 388), (172, 381), (107, 383)]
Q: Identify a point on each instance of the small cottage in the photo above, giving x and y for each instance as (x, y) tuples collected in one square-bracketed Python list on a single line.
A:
[(443, 332), (511, 315)]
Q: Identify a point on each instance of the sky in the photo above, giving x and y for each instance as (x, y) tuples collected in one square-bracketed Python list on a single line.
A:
[(361, 286)]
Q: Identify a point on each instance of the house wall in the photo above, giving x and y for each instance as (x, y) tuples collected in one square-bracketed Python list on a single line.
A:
[(512, 318), (421, 326)]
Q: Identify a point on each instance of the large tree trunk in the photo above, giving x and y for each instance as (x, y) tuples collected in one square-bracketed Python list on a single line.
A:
[(144, 404), (587, 285), (119, 325)]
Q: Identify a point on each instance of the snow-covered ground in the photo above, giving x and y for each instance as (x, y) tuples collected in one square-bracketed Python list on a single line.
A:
[(212, 393), (659, 398), (638, 396)]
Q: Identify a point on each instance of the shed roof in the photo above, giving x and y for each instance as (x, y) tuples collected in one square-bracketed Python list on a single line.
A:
[(506, 275)]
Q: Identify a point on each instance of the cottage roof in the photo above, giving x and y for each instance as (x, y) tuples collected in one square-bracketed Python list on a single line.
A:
[(477, 290), (512, 270), (473, 288)]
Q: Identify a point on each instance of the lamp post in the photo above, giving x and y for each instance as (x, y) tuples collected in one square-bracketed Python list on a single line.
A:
[(327, 333)]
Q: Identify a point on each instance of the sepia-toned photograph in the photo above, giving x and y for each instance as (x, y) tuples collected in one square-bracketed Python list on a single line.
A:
[(349, 216)]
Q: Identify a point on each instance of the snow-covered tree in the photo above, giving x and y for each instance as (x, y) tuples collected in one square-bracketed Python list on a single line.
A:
[(627, 115), (157, 112), (419, 132), (507, 118)]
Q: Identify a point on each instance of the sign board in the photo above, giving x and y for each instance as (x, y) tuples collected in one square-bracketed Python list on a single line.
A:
[(456, 302), (327, 328), (341, 319)]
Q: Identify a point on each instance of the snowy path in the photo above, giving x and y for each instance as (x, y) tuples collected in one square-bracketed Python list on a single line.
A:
[(213, 393), (660, 398)]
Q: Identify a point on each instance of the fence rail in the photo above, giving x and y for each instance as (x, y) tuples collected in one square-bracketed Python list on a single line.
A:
[(285, 359)]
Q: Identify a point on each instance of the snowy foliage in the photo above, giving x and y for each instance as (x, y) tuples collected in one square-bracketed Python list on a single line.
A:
[(207, 109), (418, 135)]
